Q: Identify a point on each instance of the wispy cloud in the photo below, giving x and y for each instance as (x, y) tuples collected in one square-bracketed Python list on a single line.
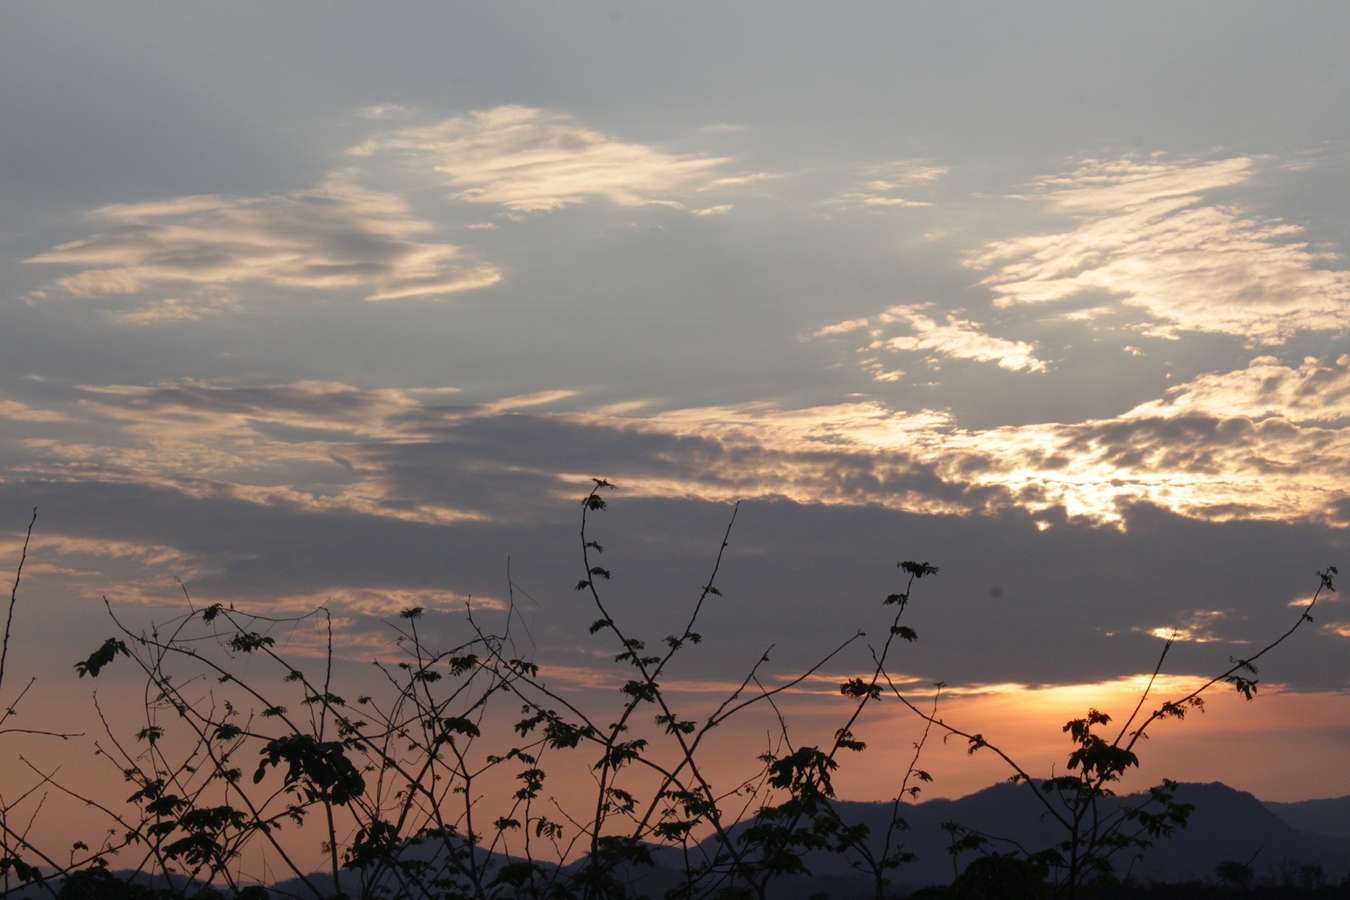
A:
[(881, 202), (905, 172), (316, 446), (15, 411), (888, 185), (74, 547), (531, 160), (847, 326), (209, 407), (738, 181), (338, 235), (954, 337), (200, 303), (378, 111), (525, 401), (1148, 234), (295, 444), (1195, 627), (382, 601)]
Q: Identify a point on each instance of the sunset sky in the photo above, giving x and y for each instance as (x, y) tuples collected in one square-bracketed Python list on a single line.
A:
[(346, 303)]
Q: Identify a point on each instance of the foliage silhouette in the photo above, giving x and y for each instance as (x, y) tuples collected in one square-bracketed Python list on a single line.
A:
[(395, 783)]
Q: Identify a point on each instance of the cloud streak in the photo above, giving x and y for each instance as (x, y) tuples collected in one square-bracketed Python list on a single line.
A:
[(953, 338), (530, 160), (1149, 235), (337, 236), (886, 185)]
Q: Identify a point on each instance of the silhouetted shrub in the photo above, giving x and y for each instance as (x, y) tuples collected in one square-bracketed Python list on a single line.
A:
[(230, 754)]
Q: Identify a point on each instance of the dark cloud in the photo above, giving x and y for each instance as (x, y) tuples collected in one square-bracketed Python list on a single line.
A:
[(1070, 606)]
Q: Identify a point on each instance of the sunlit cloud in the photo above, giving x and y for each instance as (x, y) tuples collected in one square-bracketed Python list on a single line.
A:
[(737, 181), (295, 445), (1306, 600), (15, 411), (1148, 234), (1196, 627), (92, 568), (1312, 391), (382, 601), (905, 172), (377, 111), (525, 401), (879, 371), (818, 685), (875, 201), (369, 497), (1207, 464), (954, 338), (1209, 468), (847, 326), (1121, 689), (48, 545), (211, 407), (888, 185), (206, 302), (338, 235), (316, 477), (1264, 442), (858, 453), (533, 160)]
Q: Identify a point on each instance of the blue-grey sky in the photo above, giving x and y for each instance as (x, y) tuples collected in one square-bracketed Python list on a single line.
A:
[(343, 302)]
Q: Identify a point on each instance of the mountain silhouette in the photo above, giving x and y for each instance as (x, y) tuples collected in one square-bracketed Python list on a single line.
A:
[(1226, 825), (1331, 817)]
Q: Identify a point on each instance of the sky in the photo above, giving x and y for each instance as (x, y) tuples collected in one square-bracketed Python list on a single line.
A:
[(345, 304)]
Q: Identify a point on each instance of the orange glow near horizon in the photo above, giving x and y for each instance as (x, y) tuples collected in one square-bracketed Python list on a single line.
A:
[(1233, 741)]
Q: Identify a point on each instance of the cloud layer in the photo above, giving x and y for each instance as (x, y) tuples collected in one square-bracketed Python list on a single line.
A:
[(532, 160), (1268, 441), (1149, 234), (337, 236)]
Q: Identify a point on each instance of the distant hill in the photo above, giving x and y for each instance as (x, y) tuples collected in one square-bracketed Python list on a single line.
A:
[(1331, 817), (1227, 824)]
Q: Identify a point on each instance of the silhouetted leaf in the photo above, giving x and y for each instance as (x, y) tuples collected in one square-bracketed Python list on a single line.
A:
[(101, 658)]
